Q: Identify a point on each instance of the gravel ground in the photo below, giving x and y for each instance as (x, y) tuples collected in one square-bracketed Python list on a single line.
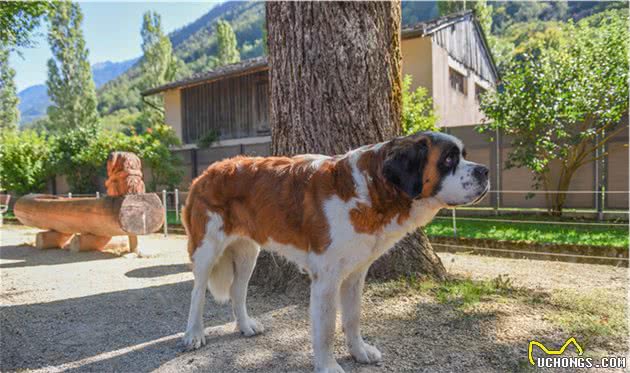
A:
[(64, 311)]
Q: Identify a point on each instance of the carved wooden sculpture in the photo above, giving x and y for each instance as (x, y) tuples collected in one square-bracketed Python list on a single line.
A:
[(124, 174), (82, 224)]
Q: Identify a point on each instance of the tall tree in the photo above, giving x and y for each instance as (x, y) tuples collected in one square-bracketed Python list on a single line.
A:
[(159, 66), (18, 19), (226, 40), (70, 83), (564, 101), (482, 10), (319, 109), (9, 113)]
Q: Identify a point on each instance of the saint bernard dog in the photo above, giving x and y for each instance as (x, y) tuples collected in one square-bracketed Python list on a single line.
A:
[(332, 216)]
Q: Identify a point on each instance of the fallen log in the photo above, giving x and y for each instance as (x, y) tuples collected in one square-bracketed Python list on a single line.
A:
[(132, 214)]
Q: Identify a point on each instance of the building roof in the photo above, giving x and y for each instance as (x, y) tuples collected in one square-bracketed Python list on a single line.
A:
[(427, 28), (417, 30), (227, 71)]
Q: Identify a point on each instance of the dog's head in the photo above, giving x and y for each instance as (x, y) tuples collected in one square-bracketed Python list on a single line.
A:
[(433, 164)]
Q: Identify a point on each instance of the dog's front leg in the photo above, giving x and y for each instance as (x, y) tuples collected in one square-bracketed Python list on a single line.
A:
[(324, 290), (351, 291)]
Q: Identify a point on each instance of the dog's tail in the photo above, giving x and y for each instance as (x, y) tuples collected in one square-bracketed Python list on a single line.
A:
[(221, 277)]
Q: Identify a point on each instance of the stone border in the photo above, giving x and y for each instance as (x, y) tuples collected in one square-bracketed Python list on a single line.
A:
[(607, 255)]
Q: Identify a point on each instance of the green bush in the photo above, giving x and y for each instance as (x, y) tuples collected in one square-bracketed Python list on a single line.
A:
[(24, 161), (28, 159), (417, 109), (82, 155)]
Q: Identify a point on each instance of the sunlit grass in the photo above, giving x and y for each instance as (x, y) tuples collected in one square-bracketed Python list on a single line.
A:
[(599, 235), (593, 317)]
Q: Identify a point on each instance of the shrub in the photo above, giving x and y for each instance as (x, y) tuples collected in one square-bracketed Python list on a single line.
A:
[(24, 161), (417, 109)]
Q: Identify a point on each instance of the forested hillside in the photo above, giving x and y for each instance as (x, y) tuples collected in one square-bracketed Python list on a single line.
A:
[(512, 24), (34, 99), (196, 45)]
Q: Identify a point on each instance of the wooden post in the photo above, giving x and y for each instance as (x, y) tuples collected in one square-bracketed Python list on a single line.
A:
[(165, 213), (89, 242), (52, 240), (177, 205), (195, 165)]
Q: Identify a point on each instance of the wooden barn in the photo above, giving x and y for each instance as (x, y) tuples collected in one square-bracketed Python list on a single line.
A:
[(448, 56)]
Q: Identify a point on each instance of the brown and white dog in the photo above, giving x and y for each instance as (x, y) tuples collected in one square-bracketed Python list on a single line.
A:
[(332, 216)]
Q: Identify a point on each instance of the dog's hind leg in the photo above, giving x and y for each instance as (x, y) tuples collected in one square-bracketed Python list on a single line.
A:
[(244, 255), (203, 260), (351, 291)]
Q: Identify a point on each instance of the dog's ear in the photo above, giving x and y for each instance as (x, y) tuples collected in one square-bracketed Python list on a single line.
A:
[(404, 166)]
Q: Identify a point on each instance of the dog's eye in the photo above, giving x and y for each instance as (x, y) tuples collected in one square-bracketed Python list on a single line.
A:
[(449, 161)]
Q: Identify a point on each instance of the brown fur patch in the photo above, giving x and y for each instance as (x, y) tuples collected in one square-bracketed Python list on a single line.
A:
[(431, 177), (275, 198), (281, 199), (386, 201)]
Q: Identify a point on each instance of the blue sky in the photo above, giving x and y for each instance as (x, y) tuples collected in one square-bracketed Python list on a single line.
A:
[(112, 32)]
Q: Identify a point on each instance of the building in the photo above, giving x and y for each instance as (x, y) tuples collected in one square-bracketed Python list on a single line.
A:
[(448, 56)]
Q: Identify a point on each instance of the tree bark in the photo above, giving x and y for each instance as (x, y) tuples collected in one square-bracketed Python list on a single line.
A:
[(336, 76)]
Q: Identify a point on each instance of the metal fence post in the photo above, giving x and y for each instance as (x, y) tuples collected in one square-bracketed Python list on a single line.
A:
[(600, 195), (497, 160), (454, 223), (176, 205), (165, 212)]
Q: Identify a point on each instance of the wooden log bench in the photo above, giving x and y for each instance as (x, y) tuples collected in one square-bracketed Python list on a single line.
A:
[(81, 224)]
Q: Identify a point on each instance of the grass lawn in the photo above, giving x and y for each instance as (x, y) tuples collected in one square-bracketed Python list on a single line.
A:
[(599, 235)]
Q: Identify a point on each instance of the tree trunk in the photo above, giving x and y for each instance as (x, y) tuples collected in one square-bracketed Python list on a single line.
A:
[(335, 85)]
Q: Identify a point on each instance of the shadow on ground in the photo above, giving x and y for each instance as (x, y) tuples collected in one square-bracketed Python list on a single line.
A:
[(28, 256), (140, 330), (158, 271)]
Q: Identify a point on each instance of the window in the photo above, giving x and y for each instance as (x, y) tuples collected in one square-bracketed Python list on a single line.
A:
[(479, 92), (458, 80)]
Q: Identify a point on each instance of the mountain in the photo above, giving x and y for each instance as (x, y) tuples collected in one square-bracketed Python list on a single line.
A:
[(103, 72), (34, 100), (33, 103), (196, 43)]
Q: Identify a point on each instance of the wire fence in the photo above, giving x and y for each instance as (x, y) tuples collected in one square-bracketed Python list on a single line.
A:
[(459, 219)]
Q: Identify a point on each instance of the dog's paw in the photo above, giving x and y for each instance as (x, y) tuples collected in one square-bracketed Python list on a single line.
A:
[(194, 339), (365, 353), (250, 327), (330, 368)]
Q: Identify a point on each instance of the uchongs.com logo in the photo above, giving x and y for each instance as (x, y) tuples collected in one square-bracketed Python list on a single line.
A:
[(555, 358)]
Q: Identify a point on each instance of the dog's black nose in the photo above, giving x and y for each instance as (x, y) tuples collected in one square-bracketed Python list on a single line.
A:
[(480, 172)]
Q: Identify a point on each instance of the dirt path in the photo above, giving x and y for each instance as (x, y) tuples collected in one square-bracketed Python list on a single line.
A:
[(95, 312)]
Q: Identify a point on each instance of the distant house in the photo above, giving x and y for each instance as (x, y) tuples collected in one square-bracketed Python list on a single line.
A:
[(448, 56)]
